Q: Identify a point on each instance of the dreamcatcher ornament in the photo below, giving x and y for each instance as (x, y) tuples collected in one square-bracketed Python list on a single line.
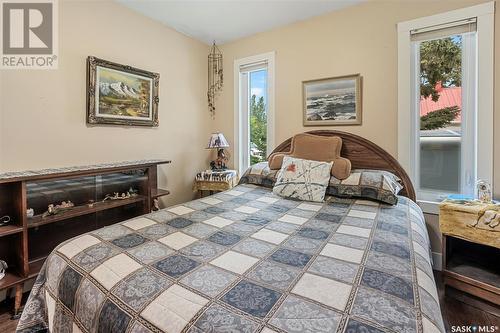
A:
[(215, 76)]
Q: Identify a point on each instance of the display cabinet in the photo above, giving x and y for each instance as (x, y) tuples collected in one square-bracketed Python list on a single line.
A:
[(47, 207)]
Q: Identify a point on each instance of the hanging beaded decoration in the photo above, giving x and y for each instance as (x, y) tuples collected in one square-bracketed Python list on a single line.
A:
[(215, 76)]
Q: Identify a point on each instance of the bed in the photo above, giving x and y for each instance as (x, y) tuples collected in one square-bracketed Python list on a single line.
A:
[(246, 260)]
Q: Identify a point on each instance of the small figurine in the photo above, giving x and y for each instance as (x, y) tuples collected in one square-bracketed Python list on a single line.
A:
[(3, 267), (4, 220), (220, 162), (111, 196), (483, 191), (156, 205), (132, 191), (30, 212), (91, 203), (56, 209), (125, 195)]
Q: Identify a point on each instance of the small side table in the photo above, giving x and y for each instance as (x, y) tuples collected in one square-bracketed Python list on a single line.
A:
[(471, 248), (215, 181)]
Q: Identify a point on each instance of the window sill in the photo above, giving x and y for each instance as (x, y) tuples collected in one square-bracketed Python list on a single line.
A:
[(429, 207)]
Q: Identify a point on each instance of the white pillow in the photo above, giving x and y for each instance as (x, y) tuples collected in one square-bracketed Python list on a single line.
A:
[(303, 179)]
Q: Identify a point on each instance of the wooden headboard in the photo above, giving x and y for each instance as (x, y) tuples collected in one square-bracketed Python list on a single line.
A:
[(363, 154)]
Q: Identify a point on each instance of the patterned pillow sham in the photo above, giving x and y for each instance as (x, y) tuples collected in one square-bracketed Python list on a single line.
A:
[(378, 185), (259, 174), (303, 179)]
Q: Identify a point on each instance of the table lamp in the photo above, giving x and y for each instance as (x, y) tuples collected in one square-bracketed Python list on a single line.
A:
[(219, 142)]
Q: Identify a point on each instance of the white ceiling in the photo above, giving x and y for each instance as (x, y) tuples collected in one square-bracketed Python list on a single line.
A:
[(225, 21)]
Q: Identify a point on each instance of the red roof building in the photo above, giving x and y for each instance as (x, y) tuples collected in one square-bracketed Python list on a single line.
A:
[(447, 97)]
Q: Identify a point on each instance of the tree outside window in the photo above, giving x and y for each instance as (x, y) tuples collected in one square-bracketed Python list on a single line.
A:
[(258, 130)]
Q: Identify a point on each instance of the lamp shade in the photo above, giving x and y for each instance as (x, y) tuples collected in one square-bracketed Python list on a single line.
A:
[(217, 140)]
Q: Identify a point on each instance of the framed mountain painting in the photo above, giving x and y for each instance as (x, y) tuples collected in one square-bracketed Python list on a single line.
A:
[(332, 101), (121, 95)]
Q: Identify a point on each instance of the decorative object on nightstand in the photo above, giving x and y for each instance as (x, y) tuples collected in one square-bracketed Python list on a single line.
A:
[(219, 142), (215, 181), (483, 191), (471, 247)]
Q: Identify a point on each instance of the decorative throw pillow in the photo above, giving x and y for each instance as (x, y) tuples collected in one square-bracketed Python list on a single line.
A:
[(259, 174), (303, 179), (317, 148), (376, 185)]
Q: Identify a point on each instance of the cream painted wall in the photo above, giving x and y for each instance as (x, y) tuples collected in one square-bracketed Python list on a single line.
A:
[(44, 111), (359, 39)]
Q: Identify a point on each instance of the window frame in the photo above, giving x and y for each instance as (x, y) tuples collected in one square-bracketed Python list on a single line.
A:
[(484, 14), (241, 132)]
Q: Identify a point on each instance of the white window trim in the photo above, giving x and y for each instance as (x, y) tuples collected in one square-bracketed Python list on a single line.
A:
[(485, 79), (239, 132)]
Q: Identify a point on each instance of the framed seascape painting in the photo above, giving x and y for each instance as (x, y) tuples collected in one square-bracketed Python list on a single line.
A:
[(332, 101), (121, 95)]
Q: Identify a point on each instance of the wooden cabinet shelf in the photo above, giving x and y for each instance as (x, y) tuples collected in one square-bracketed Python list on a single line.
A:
[(472, 267), (10, 230), (35, 266), (158, 192), (39, 220), (10, 279)]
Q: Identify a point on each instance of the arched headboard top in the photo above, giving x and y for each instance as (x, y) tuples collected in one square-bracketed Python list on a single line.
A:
[(363, 154)]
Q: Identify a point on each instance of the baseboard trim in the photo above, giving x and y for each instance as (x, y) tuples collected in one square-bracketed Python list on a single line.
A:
[(437, 261)]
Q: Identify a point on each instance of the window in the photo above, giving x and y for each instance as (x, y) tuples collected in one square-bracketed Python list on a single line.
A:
[(444, 72), (445, 63), (254, 109)]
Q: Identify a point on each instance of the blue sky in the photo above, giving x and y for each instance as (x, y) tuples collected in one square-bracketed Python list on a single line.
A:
[(258, 81)]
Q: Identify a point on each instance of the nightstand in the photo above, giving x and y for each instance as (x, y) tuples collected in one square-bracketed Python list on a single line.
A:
[(215, 181), (471, 248)]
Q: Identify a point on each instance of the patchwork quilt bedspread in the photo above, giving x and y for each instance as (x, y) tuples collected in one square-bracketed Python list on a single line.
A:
[(244, 260)]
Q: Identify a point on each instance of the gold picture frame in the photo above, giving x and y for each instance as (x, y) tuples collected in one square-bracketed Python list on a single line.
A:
[(332, 101), (121, 95)]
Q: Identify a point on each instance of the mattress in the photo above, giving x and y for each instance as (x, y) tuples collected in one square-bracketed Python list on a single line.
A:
[(244, 260)]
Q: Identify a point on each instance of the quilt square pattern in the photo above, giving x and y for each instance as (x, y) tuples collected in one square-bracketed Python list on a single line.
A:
[(224, 238), (93, 256), (137, 289), (300, 316), (292, 258), (112, 318), (302, 244), (234, 262), (176, 265), (388, 283), (384, 310), (277, 276), (254, 247), (313, 287), (179, 222), (244, 260), (203, 251), (129, 241), (209, 280), (70, 281), (218, 319), (252, 298), (150, 252)]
